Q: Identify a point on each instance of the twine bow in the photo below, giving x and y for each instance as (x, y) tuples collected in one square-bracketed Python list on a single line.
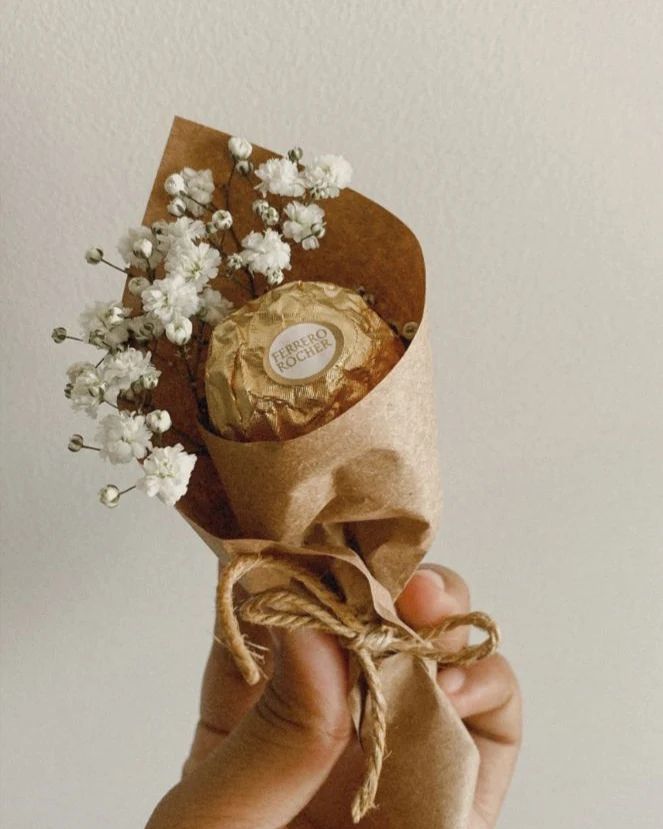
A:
[(370, 641)]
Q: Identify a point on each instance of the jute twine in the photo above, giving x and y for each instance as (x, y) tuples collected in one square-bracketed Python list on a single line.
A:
[(316, 607)]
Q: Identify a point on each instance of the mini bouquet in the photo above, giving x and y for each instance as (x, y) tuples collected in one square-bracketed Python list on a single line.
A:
[(268, 367)]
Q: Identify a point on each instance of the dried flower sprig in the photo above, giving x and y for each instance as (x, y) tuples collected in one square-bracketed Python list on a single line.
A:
[(174, 269)]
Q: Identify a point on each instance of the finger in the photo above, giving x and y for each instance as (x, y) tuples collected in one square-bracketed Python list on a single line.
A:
[(433, 594), (225, 696), (272, 764), (487, 698)]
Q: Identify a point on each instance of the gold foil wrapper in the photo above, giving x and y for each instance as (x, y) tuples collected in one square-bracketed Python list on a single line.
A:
[(293, 359)]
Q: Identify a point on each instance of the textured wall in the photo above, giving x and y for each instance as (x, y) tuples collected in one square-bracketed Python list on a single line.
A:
[(522, 143)]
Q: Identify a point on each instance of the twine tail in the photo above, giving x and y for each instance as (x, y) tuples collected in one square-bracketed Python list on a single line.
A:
[(364, 800)]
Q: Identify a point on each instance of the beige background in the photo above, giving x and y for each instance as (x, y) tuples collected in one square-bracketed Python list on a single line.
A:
[(522, 143)]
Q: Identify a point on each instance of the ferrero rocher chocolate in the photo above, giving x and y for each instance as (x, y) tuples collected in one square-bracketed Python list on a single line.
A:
[(294, 359)]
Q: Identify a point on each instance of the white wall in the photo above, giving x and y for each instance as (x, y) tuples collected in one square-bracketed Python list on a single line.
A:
[(522, 143)]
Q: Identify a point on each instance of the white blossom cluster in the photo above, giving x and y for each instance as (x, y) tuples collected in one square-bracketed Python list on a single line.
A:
[(174, 269)]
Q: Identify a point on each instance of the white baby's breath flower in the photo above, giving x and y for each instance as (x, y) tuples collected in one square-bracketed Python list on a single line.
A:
[(305, 224), (199, 186), (146, 327), (174, 184), (214, 306), (143, 248), (279, 176), (123, 437), (104, 324), (266, 251), (150, 379), (183, 229), (87, 387), (126, 248), (159, 421), (222, 220), (327, 175), (93, 256), (177, 206), (167, 471), (260, 207), (137, 285), (121, 370), (274, 277), (110, 495), (196, 264), (171, 299), (179, 331), (234, 262), (240, 149)]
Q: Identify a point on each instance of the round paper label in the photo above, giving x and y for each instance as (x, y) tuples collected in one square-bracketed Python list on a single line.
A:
[(303, 351)]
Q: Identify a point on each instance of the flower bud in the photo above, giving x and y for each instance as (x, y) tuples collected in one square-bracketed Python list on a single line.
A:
[(177, 207), (158, 421), (143, 248), (174, 185), (271, 217), (259, 207), (234, 262), (160, 226), (239, 148), (295, 154), (243, 167), (93, 256), (76, 443), (115, 315), (59, 334), (109, 496), (409, 330), (150, 380), (274, 277), (318, 229), (179, 332), (222, 220), (97, 338), (310, 243), (137, 284), (67, 390)]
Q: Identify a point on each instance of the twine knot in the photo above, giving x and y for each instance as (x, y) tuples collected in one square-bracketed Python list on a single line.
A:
[(317, 607)]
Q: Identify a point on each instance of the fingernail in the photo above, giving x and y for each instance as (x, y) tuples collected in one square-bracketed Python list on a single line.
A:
[(432, 576), (451, 680)]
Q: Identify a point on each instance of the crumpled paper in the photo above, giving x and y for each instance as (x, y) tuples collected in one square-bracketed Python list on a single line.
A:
[(358, 497)]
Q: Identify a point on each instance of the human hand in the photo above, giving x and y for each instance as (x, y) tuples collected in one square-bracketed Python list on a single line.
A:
[(283, 753)]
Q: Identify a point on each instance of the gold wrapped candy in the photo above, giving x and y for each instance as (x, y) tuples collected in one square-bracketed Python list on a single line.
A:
[(294, 359)]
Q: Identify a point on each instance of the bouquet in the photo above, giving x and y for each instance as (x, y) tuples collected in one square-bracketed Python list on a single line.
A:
[(268, 367)]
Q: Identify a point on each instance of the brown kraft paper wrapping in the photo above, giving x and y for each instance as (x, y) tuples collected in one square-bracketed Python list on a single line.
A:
[(358, 497)]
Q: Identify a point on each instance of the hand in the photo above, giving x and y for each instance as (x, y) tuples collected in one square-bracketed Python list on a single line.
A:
[(283, 753)]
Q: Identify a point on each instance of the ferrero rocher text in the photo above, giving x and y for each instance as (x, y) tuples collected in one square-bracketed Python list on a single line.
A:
[(294, 359)]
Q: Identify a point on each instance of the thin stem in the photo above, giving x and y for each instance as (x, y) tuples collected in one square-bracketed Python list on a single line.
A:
[(77, 339), (115, 267), (193, 380), (210, 207), (124, 491), (93, 448), (238, 244)]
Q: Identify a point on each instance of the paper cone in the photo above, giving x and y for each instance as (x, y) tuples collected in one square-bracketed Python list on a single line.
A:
[(358, 498)]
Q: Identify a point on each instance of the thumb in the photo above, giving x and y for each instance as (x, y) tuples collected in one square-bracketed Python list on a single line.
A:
[(271, 765)]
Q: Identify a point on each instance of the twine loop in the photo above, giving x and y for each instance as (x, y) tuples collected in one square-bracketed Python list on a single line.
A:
[(317, 607)]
